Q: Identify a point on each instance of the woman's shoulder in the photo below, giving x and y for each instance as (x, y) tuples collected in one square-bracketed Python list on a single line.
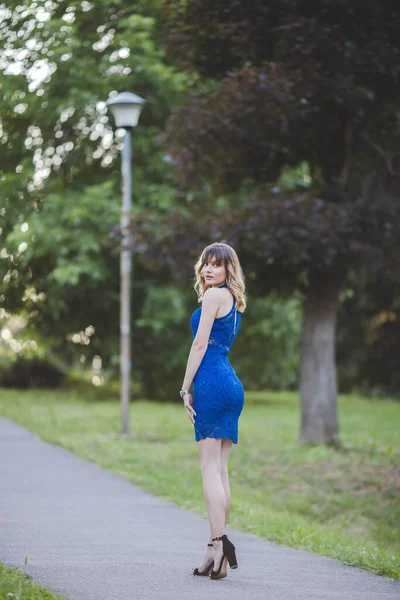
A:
[(214, 295), (214, 292)]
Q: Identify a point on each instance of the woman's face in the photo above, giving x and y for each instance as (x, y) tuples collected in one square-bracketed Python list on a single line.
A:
[(214, 272)]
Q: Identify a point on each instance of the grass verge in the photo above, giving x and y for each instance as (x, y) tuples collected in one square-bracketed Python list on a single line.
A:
[(15, 585), (342, 503)]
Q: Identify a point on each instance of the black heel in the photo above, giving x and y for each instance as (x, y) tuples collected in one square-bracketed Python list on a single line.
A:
[(207, 571), (229, 555)]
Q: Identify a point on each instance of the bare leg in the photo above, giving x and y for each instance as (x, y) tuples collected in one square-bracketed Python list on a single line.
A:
[(210, 451), (226, 446), (225, 450)]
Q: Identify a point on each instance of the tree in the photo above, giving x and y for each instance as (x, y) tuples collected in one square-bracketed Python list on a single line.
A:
[(60, 173), (283, 83)]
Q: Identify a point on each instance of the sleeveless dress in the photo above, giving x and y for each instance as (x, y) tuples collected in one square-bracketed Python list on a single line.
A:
[(218, 397)]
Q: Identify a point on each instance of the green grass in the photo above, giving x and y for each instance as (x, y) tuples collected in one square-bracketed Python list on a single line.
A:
[(340, 503), (15, 585)]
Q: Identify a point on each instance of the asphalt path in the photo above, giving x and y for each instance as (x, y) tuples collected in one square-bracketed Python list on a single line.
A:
[(90, 535)]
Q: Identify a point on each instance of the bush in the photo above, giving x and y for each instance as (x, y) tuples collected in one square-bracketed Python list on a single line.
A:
[(30, 373)]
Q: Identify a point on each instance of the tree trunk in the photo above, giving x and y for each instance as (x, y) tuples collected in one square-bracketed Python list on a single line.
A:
[(318, 387)]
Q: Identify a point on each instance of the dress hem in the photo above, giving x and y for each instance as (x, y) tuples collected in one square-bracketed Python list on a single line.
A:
[(217, 437)]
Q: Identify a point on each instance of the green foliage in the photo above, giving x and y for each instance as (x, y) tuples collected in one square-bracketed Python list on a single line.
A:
[(65, 258), (56, 133), (369, 331), (265, 111), (60, 173), (158, 333), (14, 584), (266, 354)]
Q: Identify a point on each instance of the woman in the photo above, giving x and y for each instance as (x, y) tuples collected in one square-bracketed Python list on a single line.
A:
[(218, 393)]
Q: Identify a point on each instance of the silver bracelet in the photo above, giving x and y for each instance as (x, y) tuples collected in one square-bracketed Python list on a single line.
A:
[(184, 392)]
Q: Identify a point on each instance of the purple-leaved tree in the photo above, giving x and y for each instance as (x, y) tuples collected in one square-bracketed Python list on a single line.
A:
[(277, 84)]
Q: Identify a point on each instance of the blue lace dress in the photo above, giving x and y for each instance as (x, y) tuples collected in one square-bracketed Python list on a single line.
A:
[(218, 392)]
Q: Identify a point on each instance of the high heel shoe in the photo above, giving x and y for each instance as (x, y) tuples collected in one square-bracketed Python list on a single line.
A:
[(228, 555), (208, 569)]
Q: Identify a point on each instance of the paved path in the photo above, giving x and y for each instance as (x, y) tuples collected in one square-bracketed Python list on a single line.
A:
[(93, 536)]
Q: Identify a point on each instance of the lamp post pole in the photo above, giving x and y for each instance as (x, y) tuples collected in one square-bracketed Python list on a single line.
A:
[(126, 108), (125, 270)]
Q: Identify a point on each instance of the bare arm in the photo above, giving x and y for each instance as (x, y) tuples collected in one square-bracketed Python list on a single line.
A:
[(211, 303)]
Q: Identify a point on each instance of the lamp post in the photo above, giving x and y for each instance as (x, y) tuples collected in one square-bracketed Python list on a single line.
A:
[(126, 108)]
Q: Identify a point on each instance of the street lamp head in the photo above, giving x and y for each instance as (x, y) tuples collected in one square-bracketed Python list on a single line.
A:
[(126, 108)]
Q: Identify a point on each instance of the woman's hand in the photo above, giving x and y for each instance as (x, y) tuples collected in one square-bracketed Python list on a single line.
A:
[(188, 404)]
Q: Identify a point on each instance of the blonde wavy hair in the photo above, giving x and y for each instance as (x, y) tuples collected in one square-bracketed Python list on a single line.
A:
[(235, 279)]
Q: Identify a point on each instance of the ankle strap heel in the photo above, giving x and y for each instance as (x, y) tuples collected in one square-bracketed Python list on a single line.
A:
[(229, 550), (207, 570)]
